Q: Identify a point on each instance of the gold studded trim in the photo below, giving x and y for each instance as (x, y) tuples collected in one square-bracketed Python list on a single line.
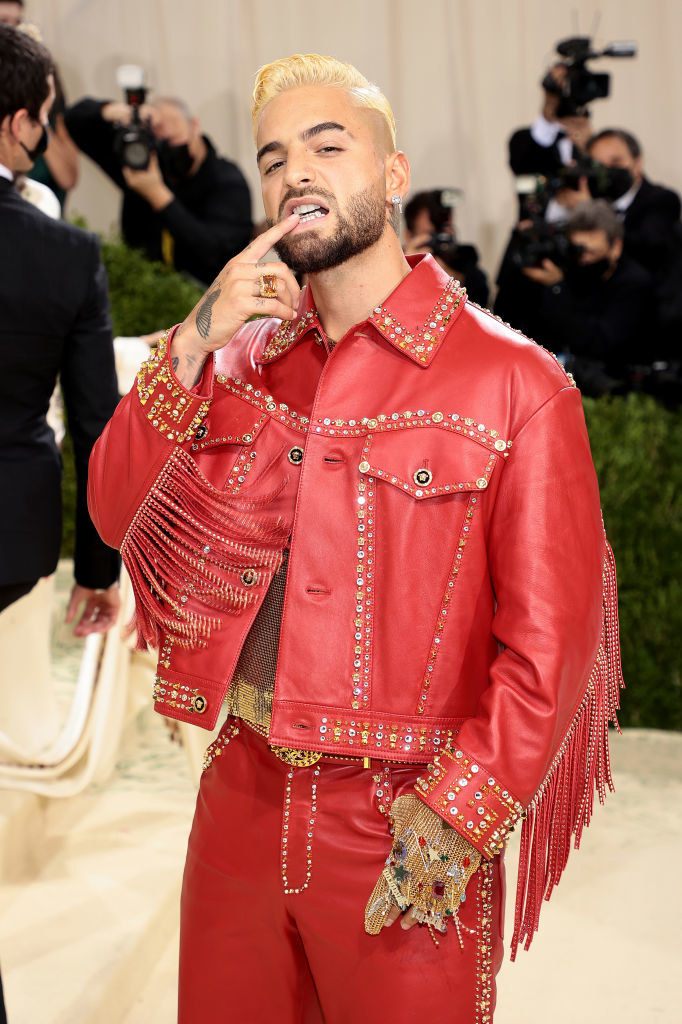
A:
[(246, 437), (447, 597), (215, 749), (464, 794), (466, 425), (421, 341), (364, 594), (239, 472), (484, 950), (265, 402), (419, 743), (179, 695), (286, 335), (458, 423), (174, 412)]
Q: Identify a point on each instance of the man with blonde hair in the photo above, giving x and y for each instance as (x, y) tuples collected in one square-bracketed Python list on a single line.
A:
[(349, 519)]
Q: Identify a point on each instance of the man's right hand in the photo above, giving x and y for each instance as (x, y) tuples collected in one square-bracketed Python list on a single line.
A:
[(122, 113), (232, 299)]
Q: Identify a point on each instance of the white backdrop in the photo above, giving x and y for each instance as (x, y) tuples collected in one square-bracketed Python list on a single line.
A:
[(460, 74)]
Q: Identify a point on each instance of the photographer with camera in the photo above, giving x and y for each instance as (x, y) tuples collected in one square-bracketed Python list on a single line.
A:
[(182, 203), (556, 137), (555, 173), (429, 227), (594, 304)]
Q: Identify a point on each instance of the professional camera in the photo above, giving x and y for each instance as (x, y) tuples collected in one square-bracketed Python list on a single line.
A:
[(535, 190), (538, 241), (134, 142), (443, 243), (582, 86), (462, 258)]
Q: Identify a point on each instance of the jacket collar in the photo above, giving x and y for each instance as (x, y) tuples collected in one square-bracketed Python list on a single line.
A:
[(414, 318)]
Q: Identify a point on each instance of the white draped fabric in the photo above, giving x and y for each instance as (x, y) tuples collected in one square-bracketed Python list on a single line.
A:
[(461, 75)]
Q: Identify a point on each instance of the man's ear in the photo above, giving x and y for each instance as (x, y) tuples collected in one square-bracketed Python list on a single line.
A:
[(16, 121), (397, 169), (617, 250)]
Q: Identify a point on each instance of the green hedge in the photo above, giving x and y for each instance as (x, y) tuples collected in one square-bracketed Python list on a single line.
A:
[(636, 445), (145, 297)]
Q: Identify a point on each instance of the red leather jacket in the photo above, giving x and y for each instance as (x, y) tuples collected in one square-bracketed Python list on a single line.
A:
[(446, 570)]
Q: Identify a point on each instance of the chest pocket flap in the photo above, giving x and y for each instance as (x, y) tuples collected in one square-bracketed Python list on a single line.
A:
[(427, 462), (231, 420)]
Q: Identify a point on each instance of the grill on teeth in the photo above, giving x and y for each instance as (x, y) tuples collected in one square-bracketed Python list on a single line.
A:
[(311, 216)]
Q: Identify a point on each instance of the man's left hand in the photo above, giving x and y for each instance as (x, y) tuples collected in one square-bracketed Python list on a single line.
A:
[(100, 612), (547, 274), (149, 183)]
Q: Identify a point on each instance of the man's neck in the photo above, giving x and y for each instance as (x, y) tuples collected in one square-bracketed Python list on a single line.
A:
[(6, 158), (346, 295)]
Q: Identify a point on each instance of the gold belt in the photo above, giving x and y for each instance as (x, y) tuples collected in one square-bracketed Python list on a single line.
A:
[(297, 758)]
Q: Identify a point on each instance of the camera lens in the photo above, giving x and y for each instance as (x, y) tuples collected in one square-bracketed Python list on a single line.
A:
[(136, 154)]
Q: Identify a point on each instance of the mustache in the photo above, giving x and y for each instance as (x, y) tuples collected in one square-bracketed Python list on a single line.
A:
[(318, 193)]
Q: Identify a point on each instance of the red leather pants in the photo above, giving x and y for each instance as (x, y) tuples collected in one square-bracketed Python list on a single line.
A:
[(252, 954)]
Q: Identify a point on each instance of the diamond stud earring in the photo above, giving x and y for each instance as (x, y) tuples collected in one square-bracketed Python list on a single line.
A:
[(396, 200)]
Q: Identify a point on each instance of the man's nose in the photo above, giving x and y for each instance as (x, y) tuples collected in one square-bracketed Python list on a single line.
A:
[(298, 169)]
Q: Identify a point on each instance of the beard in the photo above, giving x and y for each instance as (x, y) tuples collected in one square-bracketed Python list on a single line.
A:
[(361, 227)]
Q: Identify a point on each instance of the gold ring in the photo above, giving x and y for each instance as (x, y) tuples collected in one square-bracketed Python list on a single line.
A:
[(268, 286)]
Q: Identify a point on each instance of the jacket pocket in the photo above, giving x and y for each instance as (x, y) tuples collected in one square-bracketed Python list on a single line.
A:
[(230, 421), (428, 462)]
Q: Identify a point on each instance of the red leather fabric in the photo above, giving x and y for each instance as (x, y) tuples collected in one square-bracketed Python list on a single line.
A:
[(251, 953), (465, 611)]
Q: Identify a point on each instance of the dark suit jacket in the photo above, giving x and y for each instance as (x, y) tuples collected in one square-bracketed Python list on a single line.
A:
[(54, 319), (526, 156), (651, 226)]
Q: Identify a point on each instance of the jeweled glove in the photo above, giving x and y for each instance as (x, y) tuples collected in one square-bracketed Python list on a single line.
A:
[(428, 868)]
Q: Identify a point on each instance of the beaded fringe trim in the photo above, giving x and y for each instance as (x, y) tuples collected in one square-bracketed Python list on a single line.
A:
[(563, 805), (185, 543)]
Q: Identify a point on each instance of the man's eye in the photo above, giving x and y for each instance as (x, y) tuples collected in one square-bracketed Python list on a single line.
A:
[(273, 166), (330, 149)]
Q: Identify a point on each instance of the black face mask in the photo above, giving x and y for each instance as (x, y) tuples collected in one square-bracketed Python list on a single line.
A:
[(587, 275), (175, 161), (40, 146), (611, 184)]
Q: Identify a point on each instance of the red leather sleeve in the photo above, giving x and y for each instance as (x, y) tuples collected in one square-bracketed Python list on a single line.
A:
[(156, 415), (546, 552)]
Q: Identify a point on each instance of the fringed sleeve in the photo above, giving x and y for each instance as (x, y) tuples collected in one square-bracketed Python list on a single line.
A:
[(562, 806), (191, 548)]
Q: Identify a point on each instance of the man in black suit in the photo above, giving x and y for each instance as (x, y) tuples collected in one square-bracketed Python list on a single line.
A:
[(55, 321), (650, 213)]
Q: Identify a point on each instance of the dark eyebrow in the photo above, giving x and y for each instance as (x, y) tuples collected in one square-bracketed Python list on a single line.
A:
[(325, 126), (268, 149), (309, 133)]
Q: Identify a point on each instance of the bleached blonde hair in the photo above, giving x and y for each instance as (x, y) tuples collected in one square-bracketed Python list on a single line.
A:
[(312, 69)]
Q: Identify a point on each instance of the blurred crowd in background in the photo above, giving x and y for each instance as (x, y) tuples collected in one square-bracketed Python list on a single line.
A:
[(592, 270)]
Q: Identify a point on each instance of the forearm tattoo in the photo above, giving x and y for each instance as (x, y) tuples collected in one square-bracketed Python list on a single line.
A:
[(189, 373), (205, 313)]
